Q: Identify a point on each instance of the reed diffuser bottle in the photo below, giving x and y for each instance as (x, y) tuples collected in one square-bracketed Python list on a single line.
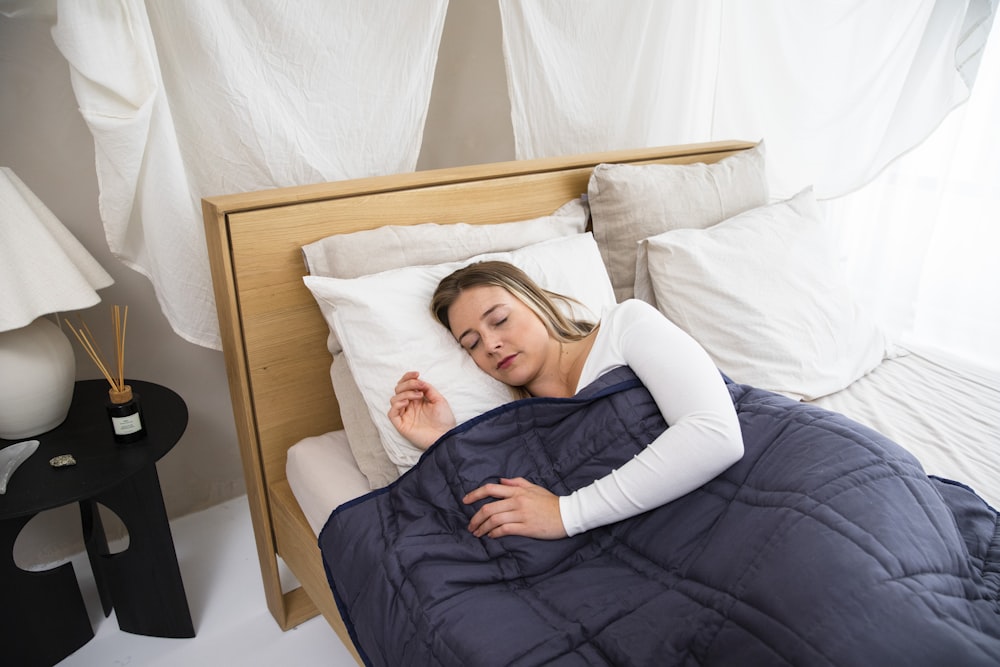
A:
[(126, 414), (124, 409)]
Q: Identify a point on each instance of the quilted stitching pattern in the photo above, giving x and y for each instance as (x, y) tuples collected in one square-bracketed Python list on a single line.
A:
[(825, 545)]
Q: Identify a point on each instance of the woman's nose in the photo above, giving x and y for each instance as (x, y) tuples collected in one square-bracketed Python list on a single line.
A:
[(492, 343)]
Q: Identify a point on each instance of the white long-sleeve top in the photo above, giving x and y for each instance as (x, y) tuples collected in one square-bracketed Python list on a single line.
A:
[(704, 436)]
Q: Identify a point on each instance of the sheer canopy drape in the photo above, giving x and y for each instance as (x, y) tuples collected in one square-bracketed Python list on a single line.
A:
[(838, 91), (187, 99), (921, 239), (603, 74)]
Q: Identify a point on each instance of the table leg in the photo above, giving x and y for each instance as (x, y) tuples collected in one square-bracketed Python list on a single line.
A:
[(96, 541), (144, 580), (43, 617)]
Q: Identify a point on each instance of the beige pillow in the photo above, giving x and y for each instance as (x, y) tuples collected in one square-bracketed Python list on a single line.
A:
[(395, 246), (629, 203), (362, 436)]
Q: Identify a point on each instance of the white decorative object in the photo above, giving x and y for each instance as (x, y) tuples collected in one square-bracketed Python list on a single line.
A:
[(43, 270), (13, 456)]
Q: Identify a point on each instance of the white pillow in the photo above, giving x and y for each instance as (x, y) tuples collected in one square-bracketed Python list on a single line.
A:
[(394, 246), (764, 294), (631, 202), (386, 328)]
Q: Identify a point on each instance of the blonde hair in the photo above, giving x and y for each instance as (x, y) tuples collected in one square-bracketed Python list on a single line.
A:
[(545, 304)]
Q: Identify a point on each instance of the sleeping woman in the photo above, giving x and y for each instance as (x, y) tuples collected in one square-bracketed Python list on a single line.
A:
[(516, 332)]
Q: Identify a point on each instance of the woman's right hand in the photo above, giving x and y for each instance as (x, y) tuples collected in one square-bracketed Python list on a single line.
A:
[(419, 412)]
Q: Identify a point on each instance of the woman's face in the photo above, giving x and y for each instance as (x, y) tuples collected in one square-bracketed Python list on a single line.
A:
[(502, 335)]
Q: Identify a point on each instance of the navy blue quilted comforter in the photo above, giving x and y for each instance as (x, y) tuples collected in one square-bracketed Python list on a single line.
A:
[(825, 545)]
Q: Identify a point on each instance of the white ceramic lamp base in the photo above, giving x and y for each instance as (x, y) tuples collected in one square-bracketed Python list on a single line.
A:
[(37, 373)]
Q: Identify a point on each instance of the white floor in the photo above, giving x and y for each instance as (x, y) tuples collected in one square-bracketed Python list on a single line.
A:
[(218, 561)]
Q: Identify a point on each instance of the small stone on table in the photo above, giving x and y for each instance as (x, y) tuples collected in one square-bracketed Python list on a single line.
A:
[(62, 461)]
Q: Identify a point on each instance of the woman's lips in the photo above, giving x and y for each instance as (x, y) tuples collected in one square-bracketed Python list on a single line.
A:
[(506, 362)]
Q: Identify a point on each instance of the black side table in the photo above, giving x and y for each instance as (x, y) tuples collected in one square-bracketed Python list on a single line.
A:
[(43, 618)]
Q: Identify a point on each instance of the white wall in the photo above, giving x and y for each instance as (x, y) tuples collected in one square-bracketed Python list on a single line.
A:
[(45, 141)]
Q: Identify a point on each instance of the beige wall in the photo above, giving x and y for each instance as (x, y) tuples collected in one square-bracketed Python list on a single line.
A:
[(468, 121), (45, 141)]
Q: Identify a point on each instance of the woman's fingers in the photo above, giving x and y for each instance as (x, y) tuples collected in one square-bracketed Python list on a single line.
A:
[(412, 384), (522, 508), (485, 491), (505, 521), (404, 397)]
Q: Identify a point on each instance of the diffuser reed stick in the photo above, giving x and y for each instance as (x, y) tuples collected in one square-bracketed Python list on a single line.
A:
[(119, 321)]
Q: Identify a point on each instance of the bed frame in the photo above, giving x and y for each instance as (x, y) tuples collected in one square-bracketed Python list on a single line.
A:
[(274, 338)]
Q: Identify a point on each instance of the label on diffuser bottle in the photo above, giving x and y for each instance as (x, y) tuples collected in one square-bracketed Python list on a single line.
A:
[(127, 425)]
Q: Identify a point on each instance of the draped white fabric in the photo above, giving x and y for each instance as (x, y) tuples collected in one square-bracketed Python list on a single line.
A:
[(187, 99), (837, 89), (921, 239), (603, 74)]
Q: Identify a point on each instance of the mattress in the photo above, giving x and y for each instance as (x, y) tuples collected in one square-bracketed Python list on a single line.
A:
[(949, 418), (322, 473)]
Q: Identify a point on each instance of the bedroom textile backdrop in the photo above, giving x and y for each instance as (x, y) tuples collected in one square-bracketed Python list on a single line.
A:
[(187, 99), (837, 89), (181, 104), (921, 239)]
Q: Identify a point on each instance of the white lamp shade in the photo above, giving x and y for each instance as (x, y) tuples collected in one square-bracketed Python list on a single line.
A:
[(38, 370), (43, 268)]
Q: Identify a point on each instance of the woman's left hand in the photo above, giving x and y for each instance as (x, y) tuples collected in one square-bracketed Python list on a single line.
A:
[(521, 508)]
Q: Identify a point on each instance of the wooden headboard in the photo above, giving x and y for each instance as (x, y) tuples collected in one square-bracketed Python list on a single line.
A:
[(274, 337)]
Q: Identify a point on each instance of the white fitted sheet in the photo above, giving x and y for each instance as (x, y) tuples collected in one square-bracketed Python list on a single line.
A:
[(322, 473), (949, 419)]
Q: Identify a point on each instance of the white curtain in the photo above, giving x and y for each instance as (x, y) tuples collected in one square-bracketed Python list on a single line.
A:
[(605, 74), (837, 89), (187, 99), (921, 239)]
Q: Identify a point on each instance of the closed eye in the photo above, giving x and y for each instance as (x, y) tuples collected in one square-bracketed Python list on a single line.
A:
[(469, 339)]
